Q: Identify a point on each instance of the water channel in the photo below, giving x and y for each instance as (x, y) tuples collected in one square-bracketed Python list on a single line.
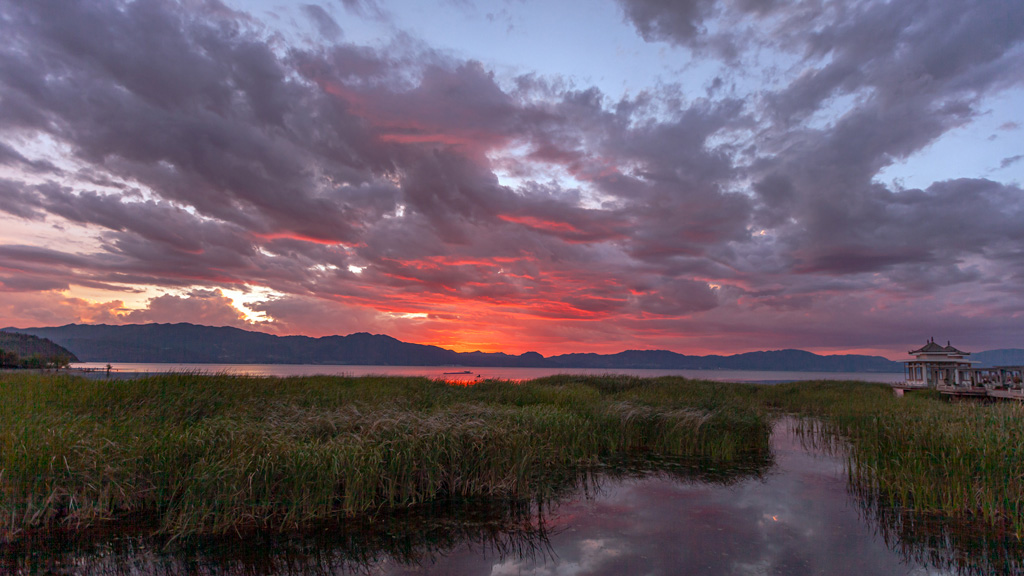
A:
[(793, 515)]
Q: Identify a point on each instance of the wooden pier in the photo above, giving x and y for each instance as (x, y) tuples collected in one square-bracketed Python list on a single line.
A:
[(1008, 394), (997, 382), (966, 390), (963, 391)]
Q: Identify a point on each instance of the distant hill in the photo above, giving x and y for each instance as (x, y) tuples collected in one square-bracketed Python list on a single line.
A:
[(206, 344), (190, 343), (209, 345), (25, 350), (783, 360), (1004, 357)]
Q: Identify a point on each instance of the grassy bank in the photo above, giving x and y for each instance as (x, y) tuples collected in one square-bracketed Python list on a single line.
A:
[(213, 454), (923, 452)]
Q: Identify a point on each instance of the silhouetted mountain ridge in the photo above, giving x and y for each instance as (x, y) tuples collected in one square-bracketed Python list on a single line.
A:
[(190, 343), (25, 346), (1002, 357)]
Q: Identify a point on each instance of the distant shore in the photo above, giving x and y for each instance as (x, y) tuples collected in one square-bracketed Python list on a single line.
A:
[(470, 374)]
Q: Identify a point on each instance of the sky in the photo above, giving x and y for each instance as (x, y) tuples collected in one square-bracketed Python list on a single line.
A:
[(699, 176)]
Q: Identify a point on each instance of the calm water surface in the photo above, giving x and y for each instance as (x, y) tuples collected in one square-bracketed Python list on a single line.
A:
[(793, 516), (475, 373)]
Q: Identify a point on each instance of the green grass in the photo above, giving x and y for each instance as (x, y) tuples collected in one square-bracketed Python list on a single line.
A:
[(923, 452), (209, 454), (215, 454)]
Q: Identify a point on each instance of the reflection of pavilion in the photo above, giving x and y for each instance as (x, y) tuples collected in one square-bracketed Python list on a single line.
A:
[(945, 369)]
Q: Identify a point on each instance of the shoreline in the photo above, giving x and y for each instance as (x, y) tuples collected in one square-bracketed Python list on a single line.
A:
[(471, 374)]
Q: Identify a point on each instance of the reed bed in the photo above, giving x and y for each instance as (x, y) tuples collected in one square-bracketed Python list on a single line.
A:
[(214, 454), (923, 453)]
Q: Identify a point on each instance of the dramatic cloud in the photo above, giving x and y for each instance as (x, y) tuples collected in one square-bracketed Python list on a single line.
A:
[(217, 167), (209, 307)]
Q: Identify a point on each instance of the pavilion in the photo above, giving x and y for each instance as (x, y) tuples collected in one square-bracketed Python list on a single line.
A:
[(945, 368), (935, 364)]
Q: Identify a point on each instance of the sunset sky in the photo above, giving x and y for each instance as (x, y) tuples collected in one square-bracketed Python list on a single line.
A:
[(702, 176)]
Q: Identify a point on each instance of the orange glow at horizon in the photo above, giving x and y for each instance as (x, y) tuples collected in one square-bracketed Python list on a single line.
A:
[(469, 326)]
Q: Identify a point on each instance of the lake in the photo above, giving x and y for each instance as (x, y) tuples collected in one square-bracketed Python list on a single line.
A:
[(793, 515), (122, 369)]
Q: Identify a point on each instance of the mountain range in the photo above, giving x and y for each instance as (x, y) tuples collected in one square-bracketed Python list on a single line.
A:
[(190, 343), (1003, 357)]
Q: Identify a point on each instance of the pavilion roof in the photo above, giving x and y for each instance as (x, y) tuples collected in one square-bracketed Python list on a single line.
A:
[(932, 348)]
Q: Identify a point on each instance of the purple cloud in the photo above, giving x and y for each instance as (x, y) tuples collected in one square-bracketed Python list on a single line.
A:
[(413, 186)]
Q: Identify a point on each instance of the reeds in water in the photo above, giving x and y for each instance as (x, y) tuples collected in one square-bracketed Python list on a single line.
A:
[(214, 454), (963, 460)]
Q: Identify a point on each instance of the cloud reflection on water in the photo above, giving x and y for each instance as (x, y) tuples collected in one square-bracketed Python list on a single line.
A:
[(797, 520), (795, 516)]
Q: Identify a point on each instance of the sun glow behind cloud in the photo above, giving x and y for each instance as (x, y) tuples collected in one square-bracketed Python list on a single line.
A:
[(242, 300)]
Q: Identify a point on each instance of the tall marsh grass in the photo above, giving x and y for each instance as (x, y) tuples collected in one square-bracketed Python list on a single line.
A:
[(923, 453), (215, 454), (212, 454)]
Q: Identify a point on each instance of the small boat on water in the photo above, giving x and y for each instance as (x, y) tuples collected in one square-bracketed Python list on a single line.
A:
[(463, 372)]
